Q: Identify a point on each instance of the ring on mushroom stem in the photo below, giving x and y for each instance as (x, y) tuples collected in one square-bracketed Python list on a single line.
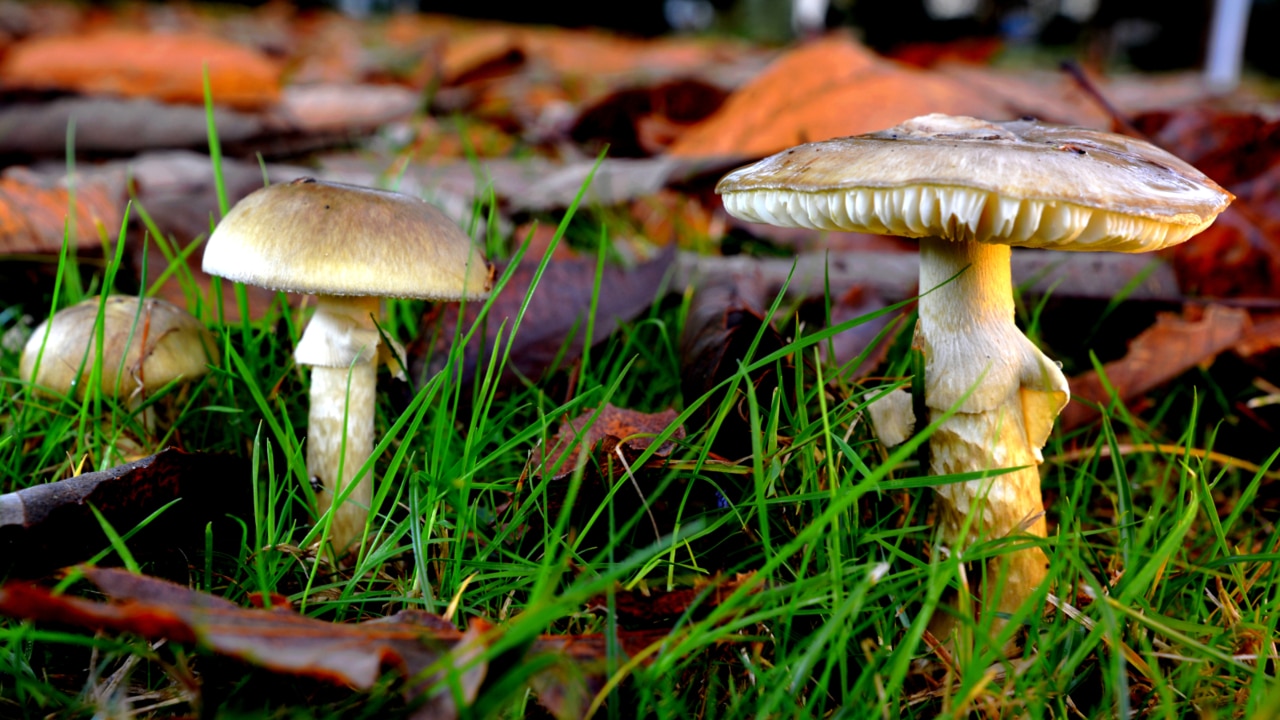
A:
[(349, 246), (969, 189)]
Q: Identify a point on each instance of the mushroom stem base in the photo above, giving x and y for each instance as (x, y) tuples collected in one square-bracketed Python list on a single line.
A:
[(1006, 395)]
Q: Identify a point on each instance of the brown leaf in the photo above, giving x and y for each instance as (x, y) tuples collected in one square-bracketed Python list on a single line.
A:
[(115, 125), (669, 606), (725, 318), (1262, 336), (670, 217), (556, 316), (356, 655), (848, 345), (33, 213), (167, 67), (1234, 257), (1049, 96), (278, 640), (614, 430), (827, 88), (643, 121), (342, 109), (1160, 353), (48, 526)]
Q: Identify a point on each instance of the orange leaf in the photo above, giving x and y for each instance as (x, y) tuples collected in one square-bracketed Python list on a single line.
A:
[(828, 88), (614, 428), (138, 64), (1159, 354), (355, 654), (33, 216)]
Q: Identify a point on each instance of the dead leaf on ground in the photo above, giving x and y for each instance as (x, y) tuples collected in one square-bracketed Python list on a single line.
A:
[(278, 640), (725, 318), (554, 320), (33, 212), (1047, 95), (327, 49), (1262, 335), (653, 606), (827, 88), (846, 346), (1159, 354), (1234, 257), (645, 120), (48, 526), (613, 430), (281, 641), (115, 126), (668, 217), (167, 67), (343, 109)]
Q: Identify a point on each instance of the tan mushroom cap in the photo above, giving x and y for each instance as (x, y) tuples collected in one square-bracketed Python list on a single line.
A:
[(325, 238), (154, 345), (1023, 183)]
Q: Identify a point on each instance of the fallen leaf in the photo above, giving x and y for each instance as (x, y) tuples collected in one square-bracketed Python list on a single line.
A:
[(1046, 95), (668, 217), (643, 121), (328, 48), (167, 67), (1234, 257), (114, 126), (611, 430), (33, 212), (342, 109), (279, 640), (848, 345), (651, 606), (554, 320), (1262, 336), (1159, 354), (724, 320), (824, 89), (48, 526)]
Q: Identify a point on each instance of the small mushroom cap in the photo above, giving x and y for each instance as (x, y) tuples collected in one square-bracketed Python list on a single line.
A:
[(143, 347), (326, 238), (1023, 183)]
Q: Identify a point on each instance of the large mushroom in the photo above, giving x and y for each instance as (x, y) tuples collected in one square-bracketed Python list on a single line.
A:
[(349, 246), (147, 344), (970, 189)]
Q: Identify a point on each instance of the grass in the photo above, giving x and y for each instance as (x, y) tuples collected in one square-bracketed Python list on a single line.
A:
[(1163, 580)]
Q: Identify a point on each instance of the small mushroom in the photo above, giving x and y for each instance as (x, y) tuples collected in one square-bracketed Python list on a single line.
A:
[(969, 189), (349, 246), (146, 345)]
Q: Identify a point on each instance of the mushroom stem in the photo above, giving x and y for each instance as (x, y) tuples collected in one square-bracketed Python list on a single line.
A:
[(967, 333), (340, 424)]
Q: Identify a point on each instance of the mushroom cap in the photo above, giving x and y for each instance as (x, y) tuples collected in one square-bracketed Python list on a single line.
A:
[(1023, 183), (146, 347), (326, 238)]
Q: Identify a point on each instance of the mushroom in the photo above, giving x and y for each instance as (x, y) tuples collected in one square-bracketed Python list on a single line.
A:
[(969, 189), (349, 246), (146, 345)]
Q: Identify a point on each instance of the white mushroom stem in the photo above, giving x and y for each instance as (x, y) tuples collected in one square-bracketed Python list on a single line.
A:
[(341, 343), (967, 333)]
